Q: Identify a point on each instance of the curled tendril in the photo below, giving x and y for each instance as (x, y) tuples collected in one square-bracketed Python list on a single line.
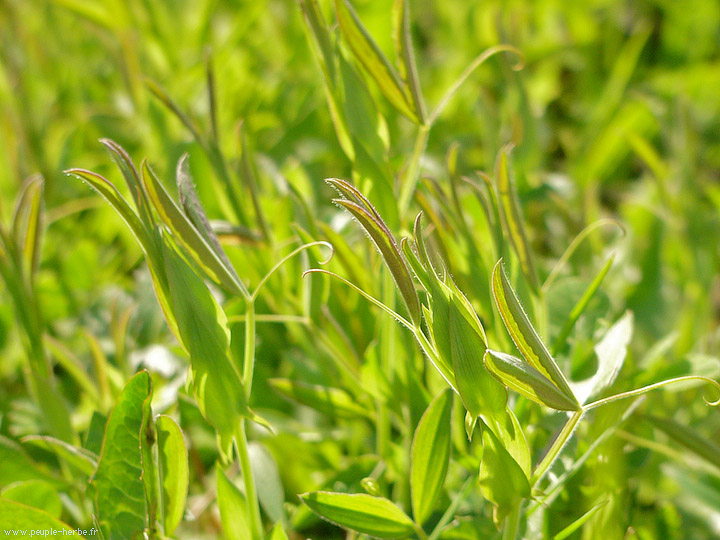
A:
[(645, 389)]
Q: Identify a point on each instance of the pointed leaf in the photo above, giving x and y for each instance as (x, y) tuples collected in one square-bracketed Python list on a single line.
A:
[(174, 472), (523, 334), (278, 532), (120, 504), (374, 516), (385, 243), (526, 380), (430, 456), (373, 60), (188, 236)]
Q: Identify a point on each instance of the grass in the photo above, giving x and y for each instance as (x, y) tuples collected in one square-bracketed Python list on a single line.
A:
[(359, 270)]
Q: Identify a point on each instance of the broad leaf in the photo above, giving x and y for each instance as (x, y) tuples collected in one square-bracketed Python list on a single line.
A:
[(374, 516), (430, 455), (120, 504), (174, 472)]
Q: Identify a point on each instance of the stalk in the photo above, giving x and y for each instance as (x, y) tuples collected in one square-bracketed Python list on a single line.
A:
[(512, 522), (387, 365), (557, 446), (241, 436)]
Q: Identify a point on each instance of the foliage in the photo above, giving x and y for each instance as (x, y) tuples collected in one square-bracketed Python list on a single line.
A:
[(503, 325)]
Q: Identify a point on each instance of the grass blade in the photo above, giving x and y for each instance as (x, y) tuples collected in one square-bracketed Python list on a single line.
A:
[(687, 438)]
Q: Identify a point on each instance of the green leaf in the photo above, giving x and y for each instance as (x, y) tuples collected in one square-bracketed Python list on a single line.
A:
[(36, 493), (205, 335), (430, 455), (188, 236), (105, 188), (526, 380), (523, 334), (21, 517), (512, 219), (373, 60), (233, 509), (132, 179), (502, 480), (331, 401), (374, 516), (174, 472), (194, 210), (687, 438), (611, 352), (480, 392), (120, 504), (269, 489), (81, 459), (390, 252)]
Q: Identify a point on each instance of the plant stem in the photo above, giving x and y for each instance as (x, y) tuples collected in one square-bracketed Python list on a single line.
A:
[(249, 481), (241, 436), (512, 522), (450, 512), (249, 356), (557, 446)]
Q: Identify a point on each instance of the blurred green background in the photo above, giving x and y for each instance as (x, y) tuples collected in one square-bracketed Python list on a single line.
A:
[(616, 113)]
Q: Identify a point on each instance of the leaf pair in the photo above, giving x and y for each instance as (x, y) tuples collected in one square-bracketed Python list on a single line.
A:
[(538, 378)]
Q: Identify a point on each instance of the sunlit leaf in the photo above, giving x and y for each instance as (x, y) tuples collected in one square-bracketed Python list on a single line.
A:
[(174, 472), (362, 513), (523, 334), (526, 380), (21, 517), (234, 511), (430, 455)]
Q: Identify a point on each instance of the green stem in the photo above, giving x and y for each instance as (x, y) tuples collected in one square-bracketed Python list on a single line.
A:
[(249, 357), (387, 365), (512, 522), (450, 512), (420, 532), (557, 446), (249, 481)]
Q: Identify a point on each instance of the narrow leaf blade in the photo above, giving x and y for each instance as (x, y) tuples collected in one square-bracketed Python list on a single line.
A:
[(174, 471)]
